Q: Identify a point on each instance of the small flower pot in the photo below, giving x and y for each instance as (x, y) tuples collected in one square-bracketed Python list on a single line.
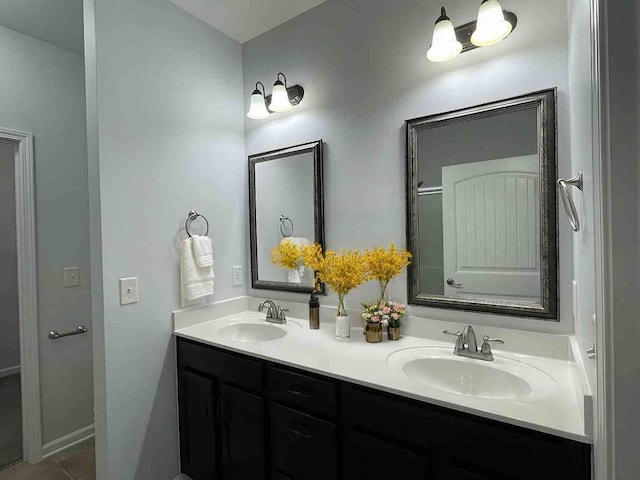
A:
[(393, 333), (373, 332)]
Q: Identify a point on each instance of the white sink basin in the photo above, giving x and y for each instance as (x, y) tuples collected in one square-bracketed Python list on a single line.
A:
[(504, 378), (251, 330)]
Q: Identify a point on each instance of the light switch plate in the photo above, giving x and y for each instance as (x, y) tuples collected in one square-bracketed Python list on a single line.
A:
[(128, 290), (236, 276), (71, 277)]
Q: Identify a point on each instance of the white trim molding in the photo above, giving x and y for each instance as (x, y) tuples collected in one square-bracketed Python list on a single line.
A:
[(7, 372), (66, 441), (27, 292), (604, 438)]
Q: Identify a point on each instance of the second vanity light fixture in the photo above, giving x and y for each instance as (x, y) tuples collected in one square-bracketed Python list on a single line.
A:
[(282, 99), (492, 26)]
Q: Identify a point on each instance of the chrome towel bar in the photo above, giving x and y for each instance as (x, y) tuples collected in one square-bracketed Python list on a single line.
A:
[(54, 334), (567, 199)]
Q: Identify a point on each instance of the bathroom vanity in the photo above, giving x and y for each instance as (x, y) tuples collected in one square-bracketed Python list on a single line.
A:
[(258, 404)]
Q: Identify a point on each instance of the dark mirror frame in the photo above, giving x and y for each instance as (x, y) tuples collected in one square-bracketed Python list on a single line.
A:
[(318, 210), (545, 102)]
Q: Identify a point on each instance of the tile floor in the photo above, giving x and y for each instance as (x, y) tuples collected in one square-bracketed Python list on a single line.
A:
[(75, 463)]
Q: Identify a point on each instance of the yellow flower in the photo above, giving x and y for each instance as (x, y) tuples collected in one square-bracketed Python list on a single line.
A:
[(287, 255), (385, 264), (342, 272)]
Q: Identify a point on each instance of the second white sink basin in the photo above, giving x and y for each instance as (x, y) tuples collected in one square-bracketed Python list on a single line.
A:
[(504, 378), (251, 330)]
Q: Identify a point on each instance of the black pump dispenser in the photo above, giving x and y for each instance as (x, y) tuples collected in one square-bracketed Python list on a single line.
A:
[(314, 311)]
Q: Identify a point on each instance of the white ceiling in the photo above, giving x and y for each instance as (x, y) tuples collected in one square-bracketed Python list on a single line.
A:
[(59, 22), (243, 20)]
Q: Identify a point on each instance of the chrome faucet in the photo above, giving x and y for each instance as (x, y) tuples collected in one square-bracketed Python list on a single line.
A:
[(275, 313), (467, 346)]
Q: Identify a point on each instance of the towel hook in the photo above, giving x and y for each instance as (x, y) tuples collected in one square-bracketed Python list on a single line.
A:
[(567, 199), (284, 220), (190, 218)]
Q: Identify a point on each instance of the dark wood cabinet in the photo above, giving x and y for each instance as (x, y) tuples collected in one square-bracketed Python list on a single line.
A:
[(242, 429), (198, 429), (242, 418)]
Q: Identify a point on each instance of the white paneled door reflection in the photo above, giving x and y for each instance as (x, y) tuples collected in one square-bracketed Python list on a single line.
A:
[(491, 228)]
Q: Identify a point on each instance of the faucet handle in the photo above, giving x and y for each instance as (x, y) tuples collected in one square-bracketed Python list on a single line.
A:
[(281, 313), (456, 334), (459, 341), (486, 345)]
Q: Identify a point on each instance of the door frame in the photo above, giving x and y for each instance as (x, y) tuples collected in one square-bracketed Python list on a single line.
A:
[(604, 428), (27, 292)]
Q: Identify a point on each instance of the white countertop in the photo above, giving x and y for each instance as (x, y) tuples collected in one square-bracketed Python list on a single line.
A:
[(356, 361)]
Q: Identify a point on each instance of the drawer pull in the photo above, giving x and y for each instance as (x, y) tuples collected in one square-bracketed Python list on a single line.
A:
[(298, 391), (301, 430)]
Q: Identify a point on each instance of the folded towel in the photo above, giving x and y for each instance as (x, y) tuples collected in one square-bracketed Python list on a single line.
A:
[(202, 251), (195, 282)]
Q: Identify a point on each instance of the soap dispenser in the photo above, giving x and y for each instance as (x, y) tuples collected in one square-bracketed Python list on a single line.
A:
[(314, 311)]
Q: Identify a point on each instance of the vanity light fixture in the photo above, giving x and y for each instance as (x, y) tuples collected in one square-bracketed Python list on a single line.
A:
[(444, 45), (493, 24), (258, 110), (280, 96)]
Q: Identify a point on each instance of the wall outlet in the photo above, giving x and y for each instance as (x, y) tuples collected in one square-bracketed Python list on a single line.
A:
[(71, 277), (128, 290), (236, 276)]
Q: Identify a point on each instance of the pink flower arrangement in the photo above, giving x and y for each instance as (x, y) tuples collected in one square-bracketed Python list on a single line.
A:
[(385, 313)]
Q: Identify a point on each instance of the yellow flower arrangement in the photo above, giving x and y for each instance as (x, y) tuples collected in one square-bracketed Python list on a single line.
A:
[(342, 271), (287, 255), (385, 264)]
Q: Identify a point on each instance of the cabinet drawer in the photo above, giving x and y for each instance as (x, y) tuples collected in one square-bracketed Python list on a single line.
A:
[(303, 447), (302, 391), (228, 367)]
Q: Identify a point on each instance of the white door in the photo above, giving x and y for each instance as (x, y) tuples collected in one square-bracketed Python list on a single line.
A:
[(492, 229)]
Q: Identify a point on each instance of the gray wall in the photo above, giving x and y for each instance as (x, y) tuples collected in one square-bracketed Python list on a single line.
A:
[(362, 64), (623, 225), (9, 319), (170, 126), (283, 187), (582, 160), (43, 94)]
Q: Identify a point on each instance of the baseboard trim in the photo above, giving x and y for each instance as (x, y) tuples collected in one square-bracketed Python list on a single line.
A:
[(66, 441), (7, 372)]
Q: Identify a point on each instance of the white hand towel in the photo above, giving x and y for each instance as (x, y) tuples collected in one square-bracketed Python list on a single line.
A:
[(195, 282), (202, 251)]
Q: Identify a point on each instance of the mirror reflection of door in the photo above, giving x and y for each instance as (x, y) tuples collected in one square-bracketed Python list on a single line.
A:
[(491, 229)]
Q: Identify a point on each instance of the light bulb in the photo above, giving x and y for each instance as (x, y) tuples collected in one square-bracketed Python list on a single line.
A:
[(491, 26), (258, 110), (445, 44), (280, 98)]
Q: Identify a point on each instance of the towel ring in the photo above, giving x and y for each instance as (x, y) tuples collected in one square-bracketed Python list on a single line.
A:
[(567, 199), (283, 221), (190, 218)]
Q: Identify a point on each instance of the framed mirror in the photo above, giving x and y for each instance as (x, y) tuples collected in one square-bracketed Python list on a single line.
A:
[(285, 205), (481, 208)]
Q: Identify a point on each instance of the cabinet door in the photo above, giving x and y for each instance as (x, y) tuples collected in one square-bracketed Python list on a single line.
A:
[(242, 420), (198, 439), (372, 459), (303, 447)]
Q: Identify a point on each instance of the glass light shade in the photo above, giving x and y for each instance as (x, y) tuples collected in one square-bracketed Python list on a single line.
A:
[(491, 26), (280, 98), (444, 45), (258, 110)]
